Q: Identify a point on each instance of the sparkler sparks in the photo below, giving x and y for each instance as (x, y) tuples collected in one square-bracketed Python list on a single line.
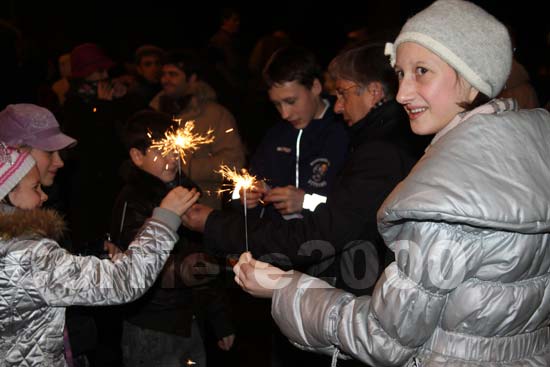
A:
[(181, 140), (245, 181)]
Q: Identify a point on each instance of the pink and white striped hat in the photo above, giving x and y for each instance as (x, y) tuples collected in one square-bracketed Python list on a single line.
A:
[(14, 165)]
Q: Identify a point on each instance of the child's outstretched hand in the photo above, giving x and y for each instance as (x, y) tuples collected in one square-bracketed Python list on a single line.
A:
[(179, 199)]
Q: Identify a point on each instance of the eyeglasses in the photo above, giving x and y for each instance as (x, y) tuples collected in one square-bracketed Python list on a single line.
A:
[(342, 93)]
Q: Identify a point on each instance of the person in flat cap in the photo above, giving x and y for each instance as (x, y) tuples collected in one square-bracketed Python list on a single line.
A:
[(469, 225), (35, 129)]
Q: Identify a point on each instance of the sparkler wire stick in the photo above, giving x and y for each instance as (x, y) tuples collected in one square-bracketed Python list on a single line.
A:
[(245, 222), (244, 181)]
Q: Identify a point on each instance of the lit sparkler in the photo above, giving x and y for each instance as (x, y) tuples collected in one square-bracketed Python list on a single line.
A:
[(180, 140), (243, 180)]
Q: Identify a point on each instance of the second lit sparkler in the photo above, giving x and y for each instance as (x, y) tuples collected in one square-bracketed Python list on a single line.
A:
[(243, 180)]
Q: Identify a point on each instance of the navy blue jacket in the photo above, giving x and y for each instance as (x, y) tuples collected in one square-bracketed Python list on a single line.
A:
[(322, 153)]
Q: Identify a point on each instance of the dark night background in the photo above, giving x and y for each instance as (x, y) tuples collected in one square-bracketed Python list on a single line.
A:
[(54, 27), (50, 28)]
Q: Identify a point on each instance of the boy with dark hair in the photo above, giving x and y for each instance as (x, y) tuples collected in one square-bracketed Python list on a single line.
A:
[(300, 156), (160, 328)]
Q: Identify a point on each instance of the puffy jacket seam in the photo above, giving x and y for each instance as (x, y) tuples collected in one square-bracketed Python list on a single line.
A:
[(523, 282), (453, 358), (475, 336), (419, 286), (467, 219), (334, 319), (375, 319)]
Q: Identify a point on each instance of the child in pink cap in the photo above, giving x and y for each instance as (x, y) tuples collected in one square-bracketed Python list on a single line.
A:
[(33, 128)]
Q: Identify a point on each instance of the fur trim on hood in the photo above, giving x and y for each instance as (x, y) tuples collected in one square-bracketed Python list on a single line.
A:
[(45, 223)]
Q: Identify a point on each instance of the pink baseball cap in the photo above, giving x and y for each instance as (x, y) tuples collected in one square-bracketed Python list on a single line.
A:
[(34, 126)]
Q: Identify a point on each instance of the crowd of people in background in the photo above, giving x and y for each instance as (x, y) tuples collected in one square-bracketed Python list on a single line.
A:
[(394, 144)]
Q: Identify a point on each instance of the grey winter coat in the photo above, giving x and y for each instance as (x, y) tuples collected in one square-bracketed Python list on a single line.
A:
[(470, 228), (38, 279)]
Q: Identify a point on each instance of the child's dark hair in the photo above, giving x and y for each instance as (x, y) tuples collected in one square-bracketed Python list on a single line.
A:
[(292, 63), (186, 60), (143, 127)]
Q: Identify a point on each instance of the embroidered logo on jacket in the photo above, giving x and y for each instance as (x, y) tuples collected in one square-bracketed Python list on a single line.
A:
[(284, 150), (319, 169)]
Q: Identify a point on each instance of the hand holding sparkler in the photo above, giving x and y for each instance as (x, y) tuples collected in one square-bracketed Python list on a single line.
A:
[(254, 194), (259, 278), (287, 200), (179, 200)]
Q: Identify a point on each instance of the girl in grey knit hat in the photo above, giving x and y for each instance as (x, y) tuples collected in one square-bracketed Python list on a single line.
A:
[(469, 226)]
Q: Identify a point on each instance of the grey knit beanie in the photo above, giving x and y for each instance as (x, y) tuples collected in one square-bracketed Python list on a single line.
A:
[(465, 36)]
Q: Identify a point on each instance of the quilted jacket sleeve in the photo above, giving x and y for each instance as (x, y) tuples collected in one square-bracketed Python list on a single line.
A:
[(387, 328), (62, 279)]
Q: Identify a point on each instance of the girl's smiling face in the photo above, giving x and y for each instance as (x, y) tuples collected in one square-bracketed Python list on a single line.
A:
[(429, 89)]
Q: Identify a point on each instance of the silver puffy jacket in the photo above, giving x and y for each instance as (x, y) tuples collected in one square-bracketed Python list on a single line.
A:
[(470, 228), (38, 279)]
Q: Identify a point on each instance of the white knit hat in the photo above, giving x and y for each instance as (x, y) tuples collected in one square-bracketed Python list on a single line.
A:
[(14, 165), (469, 39)]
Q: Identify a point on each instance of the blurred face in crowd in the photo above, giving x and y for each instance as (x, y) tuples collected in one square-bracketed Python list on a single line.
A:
[(98, 75), (296, 103), (174, 81), (355, 101), (149, 68), (232, 24), (152, 162), (28, 193), (429, 89)]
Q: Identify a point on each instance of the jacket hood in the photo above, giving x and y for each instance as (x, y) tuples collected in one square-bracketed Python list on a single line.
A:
[(492, 171), (31, 223)]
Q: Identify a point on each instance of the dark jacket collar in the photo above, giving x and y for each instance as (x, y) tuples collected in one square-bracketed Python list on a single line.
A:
[(145, 182), (388, 122), (386, 119)]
